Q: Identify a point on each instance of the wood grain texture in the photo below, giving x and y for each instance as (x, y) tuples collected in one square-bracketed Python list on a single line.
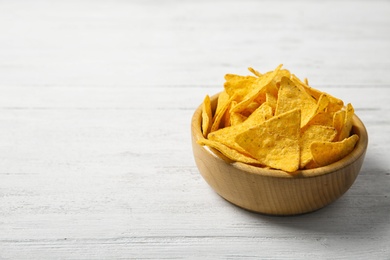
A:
[(96, 99)]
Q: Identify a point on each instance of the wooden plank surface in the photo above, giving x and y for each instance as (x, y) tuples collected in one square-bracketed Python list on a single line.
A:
[(96, 99)]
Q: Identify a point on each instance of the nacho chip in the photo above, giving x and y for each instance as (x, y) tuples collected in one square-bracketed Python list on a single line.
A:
[(248, 110), (228, 135), (236, 118), (279, 121), (322, 103), (228, 152), (335, 104), (239, 85), (207, 116), (255, 72), (345, 131), (338, 122), (315, 93), (223, 99), (225, 120), (311, 165), (270, 89), (325, 153), (274, 143), (261, 114), (322, 118), (281, 73), (219, 114), (271, 101), (293, 96), (306, 81), (252, 95), (314, 133)]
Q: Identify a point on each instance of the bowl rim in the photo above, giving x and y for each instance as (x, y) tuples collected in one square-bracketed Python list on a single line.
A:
[(360, 148)]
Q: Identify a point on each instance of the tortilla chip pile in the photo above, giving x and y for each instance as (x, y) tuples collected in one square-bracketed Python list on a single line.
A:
[(275, 120)]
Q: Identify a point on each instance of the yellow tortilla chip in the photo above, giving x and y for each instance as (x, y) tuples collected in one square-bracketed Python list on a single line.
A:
[(311, 165), (207, 116), (322, 103), (293, 96), (228, 135), (279, 121), (255, 72), (315, 93), (252, 95), (281, 73), (236, 118), (228, 152), (347, 126), (325, 153), (335, 104), (225, 120), (270, 89), (338, 122), (306, 81), (223, 99), (322, 118), (218, 116), (274, 143), (314, 133), (248, 110), (261, 114), (271, 101), (239, 85)]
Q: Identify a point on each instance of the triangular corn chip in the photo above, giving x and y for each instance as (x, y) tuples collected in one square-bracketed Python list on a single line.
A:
[(207, 116), (347, 126), (223, 99), (313, 133), (322, 118), (338, 122), (228, 152), (251, 96), (239, 85), (228, 135), (236, 118), (275, 143), (218, 116), (293, 96), (248, 110), (325, 153), (255, 72), (271, 101), (281, 73), (315, 93), (277, 121), (261, 114)]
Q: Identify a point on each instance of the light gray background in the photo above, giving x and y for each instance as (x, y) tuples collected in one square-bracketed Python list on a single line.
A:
[(96, 99)]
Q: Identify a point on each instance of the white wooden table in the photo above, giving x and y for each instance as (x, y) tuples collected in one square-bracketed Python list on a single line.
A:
[(96, 99)]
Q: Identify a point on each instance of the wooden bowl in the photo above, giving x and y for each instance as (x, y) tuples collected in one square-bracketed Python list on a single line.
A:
[(276, 192)]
